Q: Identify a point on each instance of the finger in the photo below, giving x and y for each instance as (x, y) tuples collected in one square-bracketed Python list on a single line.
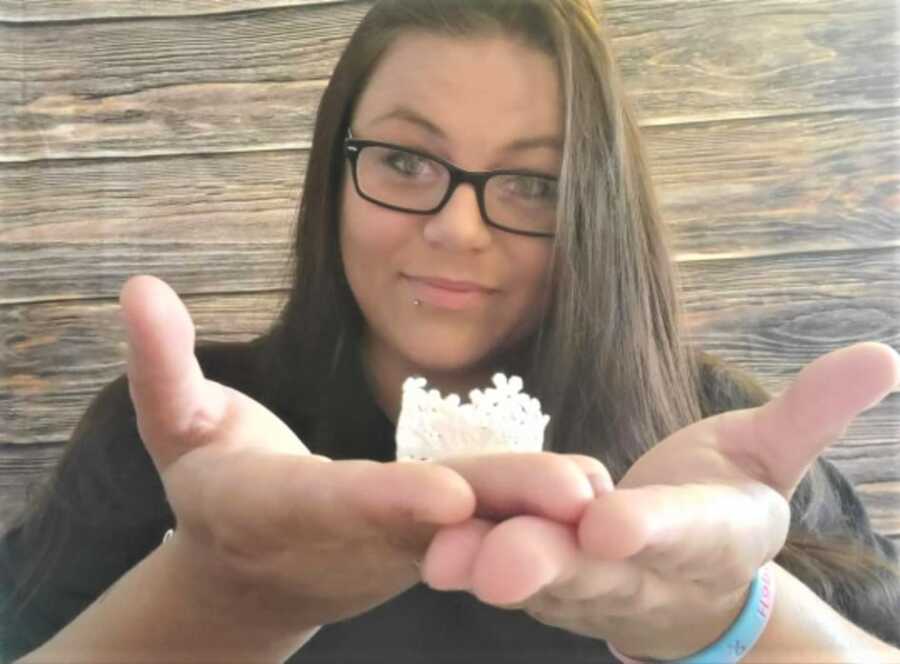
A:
[(542, 483), (521, 556), (787, 434), (418, 491), (171, 397), (401, 504), (597, 474), (451, 555)]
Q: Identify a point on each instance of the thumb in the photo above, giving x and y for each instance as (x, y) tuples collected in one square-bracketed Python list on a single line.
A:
[(172, 399), (790, 431)]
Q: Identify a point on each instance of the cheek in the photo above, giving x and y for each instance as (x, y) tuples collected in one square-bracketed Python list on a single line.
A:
[(370, 240), (356, 235), (530, 291), (534, 275)]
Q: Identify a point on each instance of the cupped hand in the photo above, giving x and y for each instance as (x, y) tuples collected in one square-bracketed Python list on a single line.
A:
[(661, 565), (310, 539)]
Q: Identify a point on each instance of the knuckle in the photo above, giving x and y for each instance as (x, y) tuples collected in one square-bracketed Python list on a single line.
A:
[(201, 426), (206, 419)]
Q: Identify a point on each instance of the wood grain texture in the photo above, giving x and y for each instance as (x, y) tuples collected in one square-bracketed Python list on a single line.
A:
[(171, 137), (44, 11), (796, 308), (251, 80), (872, 468), (23, 470), (57, 354), (211, 223), (779, 185), (223, 222), (172, 85), (706, 59)]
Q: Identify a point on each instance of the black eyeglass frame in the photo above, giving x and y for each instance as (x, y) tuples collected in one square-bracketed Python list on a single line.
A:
[(353, 147)]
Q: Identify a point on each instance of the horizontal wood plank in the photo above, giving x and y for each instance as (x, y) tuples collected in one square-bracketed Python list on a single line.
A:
[(40, 11), (223, 222), (252, 81), (710, 59), (213, 223), (171, 137), (882, 502), (57, 354), (242, 198), (163, 86), (776, 313), (25, 468), (189, 268), (779, 185)]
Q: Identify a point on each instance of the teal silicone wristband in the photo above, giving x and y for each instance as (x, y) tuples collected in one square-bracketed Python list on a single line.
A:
[(743, 633)]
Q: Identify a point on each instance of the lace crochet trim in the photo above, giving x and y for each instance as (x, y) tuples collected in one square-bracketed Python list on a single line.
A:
[(502, 418)]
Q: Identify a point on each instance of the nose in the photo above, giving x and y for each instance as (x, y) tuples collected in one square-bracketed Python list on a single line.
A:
[(459, 225)]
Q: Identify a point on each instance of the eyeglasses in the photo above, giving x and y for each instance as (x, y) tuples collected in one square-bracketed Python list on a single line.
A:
[(398, 178)]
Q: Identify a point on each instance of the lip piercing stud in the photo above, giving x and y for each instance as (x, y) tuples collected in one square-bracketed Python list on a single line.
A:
[(417, 303)]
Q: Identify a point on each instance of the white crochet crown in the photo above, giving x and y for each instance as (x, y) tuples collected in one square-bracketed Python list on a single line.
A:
[(498, 419)]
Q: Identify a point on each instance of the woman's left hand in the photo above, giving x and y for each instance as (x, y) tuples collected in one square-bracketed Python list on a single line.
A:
[(661, 565)]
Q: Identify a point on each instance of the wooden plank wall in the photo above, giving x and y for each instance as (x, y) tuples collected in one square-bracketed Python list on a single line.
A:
[(171, 137)]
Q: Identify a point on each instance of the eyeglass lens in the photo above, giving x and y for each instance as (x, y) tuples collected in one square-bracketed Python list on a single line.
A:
[(408, 180)]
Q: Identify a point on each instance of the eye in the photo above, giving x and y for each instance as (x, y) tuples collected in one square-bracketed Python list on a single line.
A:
[(531, 187), (405, 162)]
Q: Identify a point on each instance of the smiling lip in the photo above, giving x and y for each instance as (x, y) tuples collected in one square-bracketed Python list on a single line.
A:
[(448, 293)]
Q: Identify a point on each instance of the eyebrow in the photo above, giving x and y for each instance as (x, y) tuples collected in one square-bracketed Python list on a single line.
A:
[(518, 145)]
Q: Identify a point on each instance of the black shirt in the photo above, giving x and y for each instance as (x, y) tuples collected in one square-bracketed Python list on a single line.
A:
[(105, 510)]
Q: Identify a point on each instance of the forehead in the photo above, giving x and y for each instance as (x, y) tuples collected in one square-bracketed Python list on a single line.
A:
[(476, 89)]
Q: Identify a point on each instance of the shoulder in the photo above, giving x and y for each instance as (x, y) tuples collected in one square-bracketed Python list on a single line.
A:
[(100, 512), (724, 386)]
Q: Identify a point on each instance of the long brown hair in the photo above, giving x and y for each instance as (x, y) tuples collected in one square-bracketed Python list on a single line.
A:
[(609, 360)]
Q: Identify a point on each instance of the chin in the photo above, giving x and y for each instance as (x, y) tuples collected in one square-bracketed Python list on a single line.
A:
[(447, 359)]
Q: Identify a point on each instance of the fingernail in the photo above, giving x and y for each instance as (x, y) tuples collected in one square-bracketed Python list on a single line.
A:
[(600, 483)]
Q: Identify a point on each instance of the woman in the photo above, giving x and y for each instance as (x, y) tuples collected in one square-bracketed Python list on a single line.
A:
[(412, 260)]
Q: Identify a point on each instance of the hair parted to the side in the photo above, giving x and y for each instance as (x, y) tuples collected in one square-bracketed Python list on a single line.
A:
[(608, 357), (608, 362)]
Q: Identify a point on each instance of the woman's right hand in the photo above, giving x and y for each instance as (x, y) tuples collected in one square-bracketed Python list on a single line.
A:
[(301, 539)]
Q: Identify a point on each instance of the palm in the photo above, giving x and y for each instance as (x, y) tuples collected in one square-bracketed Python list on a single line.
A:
[(766, 451), (687, 526), (320, 540)]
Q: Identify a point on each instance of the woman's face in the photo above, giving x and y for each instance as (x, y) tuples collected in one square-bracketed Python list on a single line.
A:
[(444, 292)]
